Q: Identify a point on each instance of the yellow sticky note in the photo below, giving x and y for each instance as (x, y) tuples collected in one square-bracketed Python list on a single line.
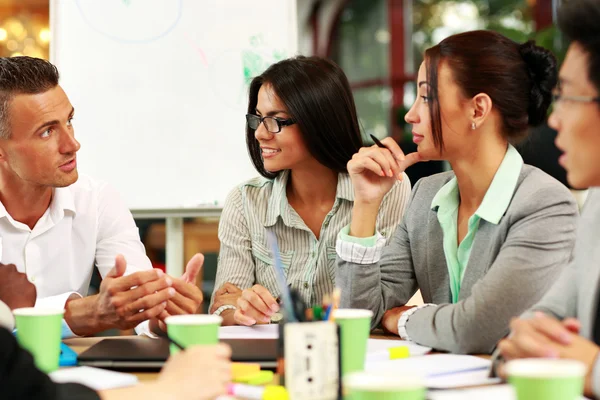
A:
[(275, 393), (261, 378), (243, 369), (399, 352)]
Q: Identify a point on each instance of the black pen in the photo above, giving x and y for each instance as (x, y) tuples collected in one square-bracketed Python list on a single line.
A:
[(378, 142), (175, 343)]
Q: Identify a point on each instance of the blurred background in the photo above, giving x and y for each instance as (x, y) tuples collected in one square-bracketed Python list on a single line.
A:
[(378, 43)]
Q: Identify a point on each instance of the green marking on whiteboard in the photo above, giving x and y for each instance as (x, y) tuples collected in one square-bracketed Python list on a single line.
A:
[(127, 2), (256, 60)]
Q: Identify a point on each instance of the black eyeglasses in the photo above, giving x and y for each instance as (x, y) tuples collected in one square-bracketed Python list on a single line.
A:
[(273, 124)]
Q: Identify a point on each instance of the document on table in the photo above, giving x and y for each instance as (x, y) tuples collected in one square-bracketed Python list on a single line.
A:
[(462, 379), (430, 366), (95, 378), (496, 392), (269, 331), (377, 348)]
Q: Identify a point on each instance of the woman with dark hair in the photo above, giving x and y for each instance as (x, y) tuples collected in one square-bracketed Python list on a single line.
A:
[(483, 242), (302, 129)]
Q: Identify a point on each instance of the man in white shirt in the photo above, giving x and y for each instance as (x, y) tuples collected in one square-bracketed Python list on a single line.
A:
[(55, 225)]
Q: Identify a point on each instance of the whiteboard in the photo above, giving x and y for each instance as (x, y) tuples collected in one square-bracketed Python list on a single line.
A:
[(160, 90)]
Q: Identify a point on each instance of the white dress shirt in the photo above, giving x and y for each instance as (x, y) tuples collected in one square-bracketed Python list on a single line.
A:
[(86, 224)]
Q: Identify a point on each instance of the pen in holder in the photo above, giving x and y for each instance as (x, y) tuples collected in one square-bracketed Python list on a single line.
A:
[(309, 357), (309, 352)]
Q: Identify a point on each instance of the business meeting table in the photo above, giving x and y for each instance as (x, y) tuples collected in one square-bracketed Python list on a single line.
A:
[(80, 345)]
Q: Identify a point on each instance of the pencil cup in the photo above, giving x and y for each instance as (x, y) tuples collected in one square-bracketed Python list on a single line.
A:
[(193, 329), (355, 326), (39, 331), (543, 379), (371, 386)]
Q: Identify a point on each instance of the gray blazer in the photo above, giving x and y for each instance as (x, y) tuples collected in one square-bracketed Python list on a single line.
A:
[(512, 264), (575, 293)]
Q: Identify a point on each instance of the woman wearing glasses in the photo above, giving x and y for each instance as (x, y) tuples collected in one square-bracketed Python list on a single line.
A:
[(302, 130), (483, 242)]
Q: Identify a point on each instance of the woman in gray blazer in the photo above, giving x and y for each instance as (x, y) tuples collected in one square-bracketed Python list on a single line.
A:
[(566, 323), (482, 243)]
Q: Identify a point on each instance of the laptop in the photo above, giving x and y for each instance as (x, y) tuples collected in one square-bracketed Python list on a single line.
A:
[(141, 353)]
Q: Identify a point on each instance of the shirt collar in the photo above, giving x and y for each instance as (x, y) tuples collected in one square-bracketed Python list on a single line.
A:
[(446, 199), (501, 190), (498, 196), (62, 200), (278, 203)]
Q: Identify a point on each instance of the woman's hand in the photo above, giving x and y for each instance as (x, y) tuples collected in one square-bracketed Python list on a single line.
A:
[(255, 305), (374, 170), (228, 294)]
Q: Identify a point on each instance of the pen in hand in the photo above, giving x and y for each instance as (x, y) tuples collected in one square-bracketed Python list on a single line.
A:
[(378, 142), (383, 146)]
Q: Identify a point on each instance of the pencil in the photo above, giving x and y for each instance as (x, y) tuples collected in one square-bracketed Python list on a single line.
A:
[(335, 304), (176, 344)]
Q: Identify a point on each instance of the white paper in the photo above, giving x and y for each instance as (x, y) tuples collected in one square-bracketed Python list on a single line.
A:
[(462, 379), (377, 348), (95, 378), (495, 392), (270, 331), (430, 365)]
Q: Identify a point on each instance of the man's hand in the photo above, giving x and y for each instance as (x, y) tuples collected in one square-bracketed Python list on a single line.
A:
[(391, 318), (543, 336), (123, 301), (15, 289), (187, 298)]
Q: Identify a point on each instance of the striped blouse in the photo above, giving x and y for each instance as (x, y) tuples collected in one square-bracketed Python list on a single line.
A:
[(261, 204)]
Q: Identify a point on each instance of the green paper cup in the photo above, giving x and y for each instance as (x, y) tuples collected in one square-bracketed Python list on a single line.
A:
[(544, 379), (355, 326), (193, 329), (39, 332), (386, 386)]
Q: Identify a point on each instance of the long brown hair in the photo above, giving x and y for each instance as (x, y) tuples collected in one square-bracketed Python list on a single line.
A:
[(317, 96)]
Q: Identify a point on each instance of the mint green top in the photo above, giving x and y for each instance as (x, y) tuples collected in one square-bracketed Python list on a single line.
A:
[(492, 208)]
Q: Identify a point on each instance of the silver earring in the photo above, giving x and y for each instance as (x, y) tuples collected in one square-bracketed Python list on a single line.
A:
[(473, 126)]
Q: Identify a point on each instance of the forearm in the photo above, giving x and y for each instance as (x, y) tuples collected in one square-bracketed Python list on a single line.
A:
[(361, 288), (364, 219), (81, 316)]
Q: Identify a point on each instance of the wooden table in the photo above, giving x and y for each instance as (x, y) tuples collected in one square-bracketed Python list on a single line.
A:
[(79, 345)]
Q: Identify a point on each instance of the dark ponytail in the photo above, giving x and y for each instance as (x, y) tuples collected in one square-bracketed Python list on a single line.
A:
[(541, 66)]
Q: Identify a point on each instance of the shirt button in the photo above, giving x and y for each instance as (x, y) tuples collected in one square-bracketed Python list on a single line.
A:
[(32, 278), (305, 285)]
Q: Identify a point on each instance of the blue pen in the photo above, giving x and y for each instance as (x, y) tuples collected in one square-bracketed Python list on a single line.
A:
[(280, 276)]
